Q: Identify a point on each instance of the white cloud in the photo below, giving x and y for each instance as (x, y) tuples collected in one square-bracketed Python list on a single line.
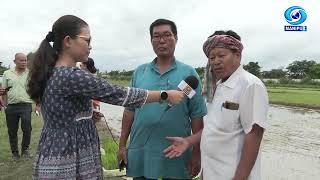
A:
[(120, 29)]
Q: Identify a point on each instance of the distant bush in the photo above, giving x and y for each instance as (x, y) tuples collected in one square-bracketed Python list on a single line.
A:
[(295, 83), (306, 80), (285, 80), (270, 82)]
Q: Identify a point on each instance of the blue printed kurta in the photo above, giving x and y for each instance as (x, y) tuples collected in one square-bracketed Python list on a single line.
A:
[(69, 142)]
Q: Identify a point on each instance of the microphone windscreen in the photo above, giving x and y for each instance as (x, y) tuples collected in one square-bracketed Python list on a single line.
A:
[(192, 81)]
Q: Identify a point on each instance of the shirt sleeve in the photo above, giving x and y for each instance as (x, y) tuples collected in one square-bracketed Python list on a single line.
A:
[(254, 107), (197, 106), (86, 84)]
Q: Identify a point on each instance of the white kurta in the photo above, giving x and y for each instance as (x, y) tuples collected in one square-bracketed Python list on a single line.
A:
[(225, 129)]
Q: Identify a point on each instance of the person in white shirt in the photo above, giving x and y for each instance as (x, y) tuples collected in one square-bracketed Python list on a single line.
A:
[(236, 119)]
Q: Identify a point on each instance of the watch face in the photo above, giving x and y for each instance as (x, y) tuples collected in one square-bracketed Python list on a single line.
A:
[(164, 95)]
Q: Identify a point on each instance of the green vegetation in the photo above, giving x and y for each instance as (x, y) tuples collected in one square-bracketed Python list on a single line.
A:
[(288, 82), (303, 69), (22, 168), (119, 82), (109, 159), (301, 97)]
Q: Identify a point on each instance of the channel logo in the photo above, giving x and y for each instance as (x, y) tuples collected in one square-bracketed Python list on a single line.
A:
[(295, 16)]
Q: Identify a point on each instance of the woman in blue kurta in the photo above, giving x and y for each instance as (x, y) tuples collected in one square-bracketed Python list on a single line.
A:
[(69, 142)]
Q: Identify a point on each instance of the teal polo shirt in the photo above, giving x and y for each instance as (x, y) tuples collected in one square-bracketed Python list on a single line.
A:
[(152, 123)]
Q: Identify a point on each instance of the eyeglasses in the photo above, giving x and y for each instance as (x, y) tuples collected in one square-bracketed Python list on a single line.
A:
[(87, 39), (165, 37)]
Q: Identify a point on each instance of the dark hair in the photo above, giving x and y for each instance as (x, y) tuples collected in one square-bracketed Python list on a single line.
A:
[(47, 55), (229, 33), (90, 65), (159, 22)]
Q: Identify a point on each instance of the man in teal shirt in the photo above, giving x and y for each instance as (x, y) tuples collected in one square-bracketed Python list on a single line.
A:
[(18, 105), (149, 125)]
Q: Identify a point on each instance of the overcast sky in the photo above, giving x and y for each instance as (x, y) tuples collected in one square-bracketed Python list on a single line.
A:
[(120, 29)]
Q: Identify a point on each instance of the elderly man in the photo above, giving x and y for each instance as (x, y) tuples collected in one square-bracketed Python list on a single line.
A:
[(19, 105), (237, 115)]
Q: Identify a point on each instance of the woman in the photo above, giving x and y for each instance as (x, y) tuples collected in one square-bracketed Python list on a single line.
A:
[(69, 143)]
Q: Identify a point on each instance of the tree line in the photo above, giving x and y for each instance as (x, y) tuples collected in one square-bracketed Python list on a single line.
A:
[(295, 70)]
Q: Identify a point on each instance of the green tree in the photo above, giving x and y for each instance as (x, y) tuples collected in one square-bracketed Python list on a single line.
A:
[(315, 71), (200, 71), (114, 73), (126, 73), (274, 74), (253, 68), (300, 69)]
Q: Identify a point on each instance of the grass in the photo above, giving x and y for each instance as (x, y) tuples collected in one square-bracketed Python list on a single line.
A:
[(293, 96), (109, 160), (21, 168)]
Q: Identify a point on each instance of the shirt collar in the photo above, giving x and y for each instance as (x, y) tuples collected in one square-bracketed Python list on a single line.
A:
[(13, 70), (156, 68), (233, 79)]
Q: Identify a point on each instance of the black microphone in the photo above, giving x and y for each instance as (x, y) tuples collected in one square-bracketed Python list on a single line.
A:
[(188, 87)]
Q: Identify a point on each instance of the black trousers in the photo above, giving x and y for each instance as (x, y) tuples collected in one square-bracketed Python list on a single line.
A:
[(15, 112)]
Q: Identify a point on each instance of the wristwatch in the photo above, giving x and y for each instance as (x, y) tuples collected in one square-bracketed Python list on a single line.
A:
[(163, 95)]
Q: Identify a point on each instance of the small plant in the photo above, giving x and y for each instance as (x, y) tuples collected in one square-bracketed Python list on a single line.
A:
[(109, 158)]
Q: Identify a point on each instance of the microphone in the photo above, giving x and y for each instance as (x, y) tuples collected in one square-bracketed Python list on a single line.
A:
[(188, 87)]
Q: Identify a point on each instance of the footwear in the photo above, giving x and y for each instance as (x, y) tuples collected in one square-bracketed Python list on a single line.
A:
[(15, 156), (25, 154)]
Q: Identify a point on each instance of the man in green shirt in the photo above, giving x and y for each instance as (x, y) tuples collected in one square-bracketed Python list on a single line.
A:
[(18, 105), (149, 125)]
